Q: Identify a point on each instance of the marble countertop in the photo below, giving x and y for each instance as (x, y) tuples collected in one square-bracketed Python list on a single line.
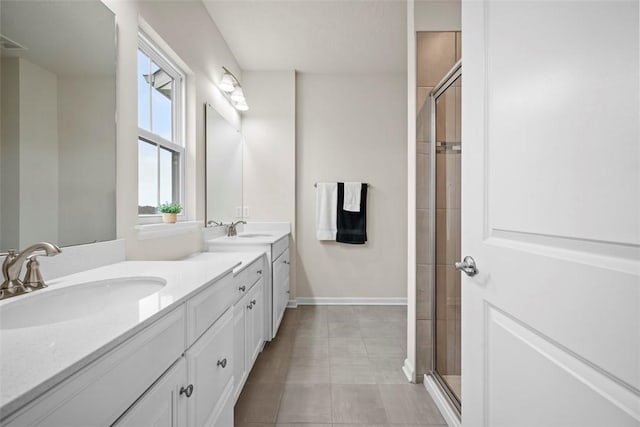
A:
[(36, 358)]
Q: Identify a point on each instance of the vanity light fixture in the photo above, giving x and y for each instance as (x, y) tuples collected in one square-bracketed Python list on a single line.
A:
[(231, 88)]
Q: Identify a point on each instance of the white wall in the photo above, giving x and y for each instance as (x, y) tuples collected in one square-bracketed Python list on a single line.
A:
[(38, 154), (438, 15), (87, 132), (202, 52), (352, 127), (269, 155)]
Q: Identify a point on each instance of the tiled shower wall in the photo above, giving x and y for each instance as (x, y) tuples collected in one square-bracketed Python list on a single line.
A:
[(437, 52)]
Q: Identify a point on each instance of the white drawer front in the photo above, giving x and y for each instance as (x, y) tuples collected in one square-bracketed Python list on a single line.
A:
[(204, 308), (98, 394)]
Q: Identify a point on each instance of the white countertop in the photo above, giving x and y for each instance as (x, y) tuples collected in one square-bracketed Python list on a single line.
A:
[(245, 258), (34, 359), (271, 233)]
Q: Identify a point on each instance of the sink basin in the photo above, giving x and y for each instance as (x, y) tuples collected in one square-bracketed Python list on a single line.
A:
[(77, 301), (247, 235)]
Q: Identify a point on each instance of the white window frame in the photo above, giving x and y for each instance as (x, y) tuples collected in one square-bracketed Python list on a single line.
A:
[(178, 123)]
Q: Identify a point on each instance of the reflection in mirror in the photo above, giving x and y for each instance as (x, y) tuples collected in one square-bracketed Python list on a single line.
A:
[(57, 140), (224, 168)]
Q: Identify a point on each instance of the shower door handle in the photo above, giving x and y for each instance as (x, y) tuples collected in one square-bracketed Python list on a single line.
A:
[(468, 266)]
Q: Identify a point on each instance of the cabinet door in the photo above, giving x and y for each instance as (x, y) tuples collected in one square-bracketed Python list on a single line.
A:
[(162, 405), (239, 347), (280, 288), (210, 369), (257, 319)]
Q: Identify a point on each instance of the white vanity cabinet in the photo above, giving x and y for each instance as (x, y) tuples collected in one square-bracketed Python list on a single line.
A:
[(273, 240), (176, 372)]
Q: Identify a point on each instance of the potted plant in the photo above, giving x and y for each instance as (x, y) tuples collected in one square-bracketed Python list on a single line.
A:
[(169, 212)]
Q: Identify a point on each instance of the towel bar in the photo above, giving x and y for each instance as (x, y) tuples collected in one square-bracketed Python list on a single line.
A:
[(368, 185)]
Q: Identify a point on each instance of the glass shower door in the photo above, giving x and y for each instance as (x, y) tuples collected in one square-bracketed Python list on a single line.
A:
[(447, 229)]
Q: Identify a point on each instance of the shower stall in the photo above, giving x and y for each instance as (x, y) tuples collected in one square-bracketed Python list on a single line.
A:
[(445, 194)]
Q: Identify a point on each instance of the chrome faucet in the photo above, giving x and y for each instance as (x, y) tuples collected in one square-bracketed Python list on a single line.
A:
[(231, 228), (11, 284)]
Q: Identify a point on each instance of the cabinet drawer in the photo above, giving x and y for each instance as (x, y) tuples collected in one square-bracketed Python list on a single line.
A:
[(98, 394), (210, 368), (204, 308), (279, 247), (248, 277)]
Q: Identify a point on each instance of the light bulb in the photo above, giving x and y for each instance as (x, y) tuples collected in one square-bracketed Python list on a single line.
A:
[(238, 95), (242, 105), (227, 84)]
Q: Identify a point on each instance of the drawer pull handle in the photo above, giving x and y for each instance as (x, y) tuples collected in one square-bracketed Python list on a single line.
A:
[(253, 302), (187, 391), (242, 288), (259, 271), (286, 262), (223, 363)]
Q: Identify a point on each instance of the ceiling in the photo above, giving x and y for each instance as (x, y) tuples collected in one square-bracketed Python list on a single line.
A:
[(70, 37), (318, 36)]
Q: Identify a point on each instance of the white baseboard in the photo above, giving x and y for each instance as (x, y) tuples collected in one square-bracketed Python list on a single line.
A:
[(409, 371), (350, 301), (448, 413), (292, 303)]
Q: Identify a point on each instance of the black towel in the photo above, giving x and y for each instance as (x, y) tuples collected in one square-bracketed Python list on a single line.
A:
[(352, 226)]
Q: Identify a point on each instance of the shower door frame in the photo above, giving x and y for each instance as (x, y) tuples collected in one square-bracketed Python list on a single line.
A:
[(445, 83)]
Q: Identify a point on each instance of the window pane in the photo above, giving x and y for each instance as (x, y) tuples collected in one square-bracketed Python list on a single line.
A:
[(161, 104), (144, 91), (147, 178), (169, 176)]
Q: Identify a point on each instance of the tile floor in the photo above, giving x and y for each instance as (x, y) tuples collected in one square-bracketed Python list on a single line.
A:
[(335, 366)]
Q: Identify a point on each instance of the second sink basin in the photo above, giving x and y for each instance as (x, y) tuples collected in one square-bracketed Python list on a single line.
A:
[(77, 301)]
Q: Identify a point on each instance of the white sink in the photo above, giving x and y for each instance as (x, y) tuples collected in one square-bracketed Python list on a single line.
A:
[(77, 301), (247, 235)]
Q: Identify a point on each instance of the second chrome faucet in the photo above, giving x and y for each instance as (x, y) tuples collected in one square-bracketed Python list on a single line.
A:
[(231, 228)]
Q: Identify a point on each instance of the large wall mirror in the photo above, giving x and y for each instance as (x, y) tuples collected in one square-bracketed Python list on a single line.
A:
[(57, 134), (223, 168)]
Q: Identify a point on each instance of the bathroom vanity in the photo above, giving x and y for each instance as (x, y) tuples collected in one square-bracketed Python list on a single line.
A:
[(273, 240), (134, 343)]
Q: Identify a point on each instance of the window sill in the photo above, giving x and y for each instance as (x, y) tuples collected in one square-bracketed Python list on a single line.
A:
[(154, 231)]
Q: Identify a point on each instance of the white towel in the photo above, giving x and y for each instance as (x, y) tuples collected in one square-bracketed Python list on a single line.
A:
[(326, 210), (352, 192)]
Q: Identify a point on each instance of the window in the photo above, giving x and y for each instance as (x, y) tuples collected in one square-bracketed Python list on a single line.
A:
[(161, 156)]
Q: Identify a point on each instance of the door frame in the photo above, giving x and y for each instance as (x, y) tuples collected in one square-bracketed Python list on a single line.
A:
[(449, 78)]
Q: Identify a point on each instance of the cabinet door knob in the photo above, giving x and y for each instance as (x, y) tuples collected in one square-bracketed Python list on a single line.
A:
[(187, 391), (223, 363), (250, 307), (242, 288), (253, 302), (259, 271)]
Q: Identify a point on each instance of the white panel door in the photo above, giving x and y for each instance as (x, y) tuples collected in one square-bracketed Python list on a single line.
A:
[(550, 212)]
